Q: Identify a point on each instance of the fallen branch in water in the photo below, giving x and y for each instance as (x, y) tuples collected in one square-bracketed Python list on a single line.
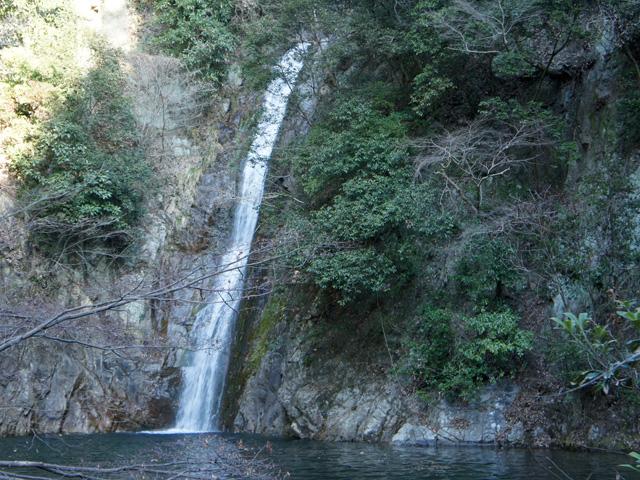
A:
[(210, 458)]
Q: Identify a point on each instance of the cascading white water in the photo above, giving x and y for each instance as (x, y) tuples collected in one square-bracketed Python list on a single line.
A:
[(214, 325)]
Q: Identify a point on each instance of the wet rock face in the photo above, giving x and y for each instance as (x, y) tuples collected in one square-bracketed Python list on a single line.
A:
[(311, 391), (482, 422), (336, 401), (285, 398), (65, 389), (261, 410)]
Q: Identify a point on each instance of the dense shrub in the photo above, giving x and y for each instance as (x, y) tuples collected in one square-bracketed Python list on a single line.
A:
[(198, 31), (610, 356), (456, 354), (83, 173), (486, 269), (367, 212)]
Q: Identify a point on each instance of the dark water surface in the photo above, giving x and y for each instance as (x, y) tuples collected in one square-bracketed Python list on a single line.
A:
[(335, 461)]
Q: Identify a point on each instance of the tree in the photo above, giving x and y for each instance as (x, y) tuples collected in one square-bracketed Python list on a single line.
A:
[(169, 99), (521, 38), (366, 205), (87, 163), (456, 355), (503, 139)]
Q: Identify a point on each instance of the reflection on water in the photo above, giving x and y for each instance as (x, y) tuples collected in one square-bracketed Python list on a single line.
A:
[(349, 461), (338, 461)]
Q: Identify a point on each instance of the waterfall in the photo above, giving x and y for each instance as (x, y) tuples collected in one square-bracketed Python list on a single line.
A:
[(203, 380)]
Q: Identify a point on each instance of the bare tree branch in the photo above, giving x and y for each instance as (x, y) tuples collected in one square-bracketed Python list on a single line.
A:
[(143, 291), (482, 150), (207, 458)]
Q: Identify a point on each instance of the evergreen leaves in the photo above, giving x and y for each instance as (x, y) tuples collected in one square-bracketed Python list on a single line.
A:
[(85, 169), (359, 172), (199, 32)]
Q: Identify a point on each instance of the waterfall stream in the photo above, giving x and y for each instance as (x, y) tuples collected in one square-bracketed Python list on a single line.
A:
[(212, 333)]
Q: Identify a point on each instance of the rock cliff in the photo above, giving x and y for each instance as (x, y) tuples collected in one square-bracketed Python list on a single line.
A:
[(115, 371), (330, 375)]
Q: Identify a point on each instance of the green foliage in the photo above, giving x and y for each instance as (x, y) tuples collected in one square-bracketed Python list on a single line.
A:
[(199, 32), (352, 272), (494, 347), (84, 169), (502, 145), (485, 269), (543, 130), (457, 355), (430, 86), (354, 141), (351, 38), (636, 457), (428, 357), (366, 207), (513, 64), (470, 50), (519, 37), (40, 67), (68, 129), (377, 43), (41, 42), (629, 111), (565, 357), (368, 210), (612, 359), (628, 104), (264, 38)]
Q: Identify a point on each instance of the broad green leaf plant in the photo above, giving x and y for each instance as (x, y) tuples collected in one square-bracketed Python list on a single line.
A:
[(612, 360)]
